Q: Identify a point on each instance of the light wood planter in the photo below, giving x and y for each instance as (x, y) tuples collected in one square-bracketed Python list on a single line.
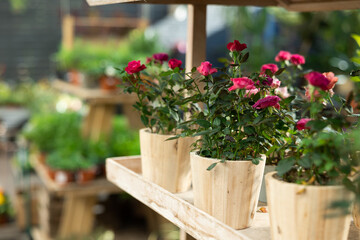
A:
[(297, 212), (356, 215), (230, 191), (166, 163)]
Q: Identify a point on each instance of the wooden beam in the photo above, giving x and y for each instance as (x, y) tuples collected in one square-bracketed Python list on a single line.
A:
[(320, 6), (68, 32), (195, 2), (196, 36)]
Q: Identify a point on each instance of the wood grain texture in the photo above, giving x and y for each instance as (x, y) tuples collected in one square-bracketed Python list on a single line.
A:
[(356, 215), (125, 173), (297, 212), (230, 191), (196, 36), (166, 163)]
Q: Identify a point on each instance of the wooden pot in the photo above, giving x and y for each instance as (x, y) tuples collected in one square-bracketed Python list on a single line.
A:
[(356, 214), (297, 212), (230, 191), (166, 163)]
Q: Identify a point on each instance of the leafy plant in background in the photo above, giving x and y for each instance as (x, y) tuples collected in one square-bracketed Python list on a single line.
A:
[(161, 105), (93, 58), (355, 74), (243, 117)]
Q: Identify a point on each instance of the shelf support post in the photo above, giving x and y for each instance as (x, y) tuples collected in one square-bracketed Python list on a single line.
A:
[(196, 36)]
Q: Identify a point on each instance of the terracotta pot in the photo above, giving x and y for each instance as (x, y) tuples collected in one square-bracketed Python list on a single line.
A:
[(262, 197), (109, 83), (230, 191), (60, 176), (85, 175), (299, 212), (75, 77), (166, 163)]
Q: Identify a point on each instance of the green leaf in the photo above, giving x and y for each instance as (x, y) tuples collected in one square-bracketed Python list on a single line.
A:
[(356, 38), (211, 166), (203, 123), (245, 57), (278, 72), (144, 120), (288, 100), (317, 125), (284, 166)]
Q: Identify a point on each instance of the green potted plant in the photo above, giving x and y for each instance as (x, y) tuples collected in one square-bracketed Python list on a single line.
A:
[(316, 175), (242, 119), (162, 107)]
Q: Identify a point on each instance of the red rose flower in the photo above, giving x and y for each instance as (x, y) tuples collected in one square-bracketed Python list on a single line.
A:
[(174, 63), (318, 80), (242, 83), (301, 124), (134, 67), (283, 56), (161, 57), (297, 59), (331, 77), (205, 69), (272, 67), (269, 101), (236, 46)]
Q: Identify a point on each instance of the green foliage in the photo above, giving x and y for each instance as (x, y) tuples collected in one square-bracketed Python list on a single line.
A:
[(161, 105), (93, 58), (230, 126)]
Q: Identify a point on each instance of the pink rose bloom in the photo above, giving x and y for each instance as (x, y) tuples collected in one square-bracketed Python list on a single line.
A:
[(148, 60), (318, 80), (269, 101), (331, 77), (205, 69), (161, 57), (249, 93), (242, 83), (275, 83), (134, 67), (174, 63), (283, 92), (282, 56), (301, 124), (272, 67), (236, 46), (297, 59)]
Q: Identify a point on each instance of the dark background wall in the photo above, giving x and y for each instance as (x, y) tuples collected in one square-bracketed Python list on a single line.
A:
[(29, 38)]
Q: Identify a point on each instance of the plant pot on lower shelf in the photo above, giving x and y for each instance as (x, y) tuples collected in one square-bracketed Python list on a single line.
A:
[(166, 163), (230, 191), (303, 213), (60, 176), (85, 175)]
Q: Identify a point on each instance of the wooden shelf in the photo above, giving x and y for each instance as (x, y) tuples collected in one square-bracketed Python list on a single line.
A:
[(95, 95), (93, 187), (178, 208), (291, 5)]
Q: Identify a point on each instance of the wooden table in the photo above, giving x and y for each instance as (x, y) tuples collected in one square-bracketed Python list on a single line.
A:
[(102, 105), (178, 208), (76, 217)]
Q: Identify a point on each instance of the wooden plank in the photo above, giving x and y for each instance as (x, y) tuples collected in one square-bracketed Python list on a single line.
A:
[(94, 187), (68, 32), (196, 36), (197, 223), (95, 95), (125, 172), (311, 6), (110, 22), (201, 2)]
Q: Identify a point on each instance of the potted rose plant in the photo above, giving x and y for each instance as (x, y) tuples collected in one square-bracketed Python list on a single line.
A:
[(162, 107), (242, 119), (318, 172)]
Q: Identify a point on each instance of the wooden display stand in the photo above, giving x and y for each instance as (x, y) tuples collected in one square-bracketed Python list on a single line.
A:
[(102, 105), (69, 207), (178, 208)]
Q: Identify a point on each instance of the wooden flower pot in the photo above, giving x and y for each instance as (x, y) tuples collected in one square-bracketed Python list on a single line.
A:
[(166, 163), (356, 215), (230, 191), (298, 212)]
